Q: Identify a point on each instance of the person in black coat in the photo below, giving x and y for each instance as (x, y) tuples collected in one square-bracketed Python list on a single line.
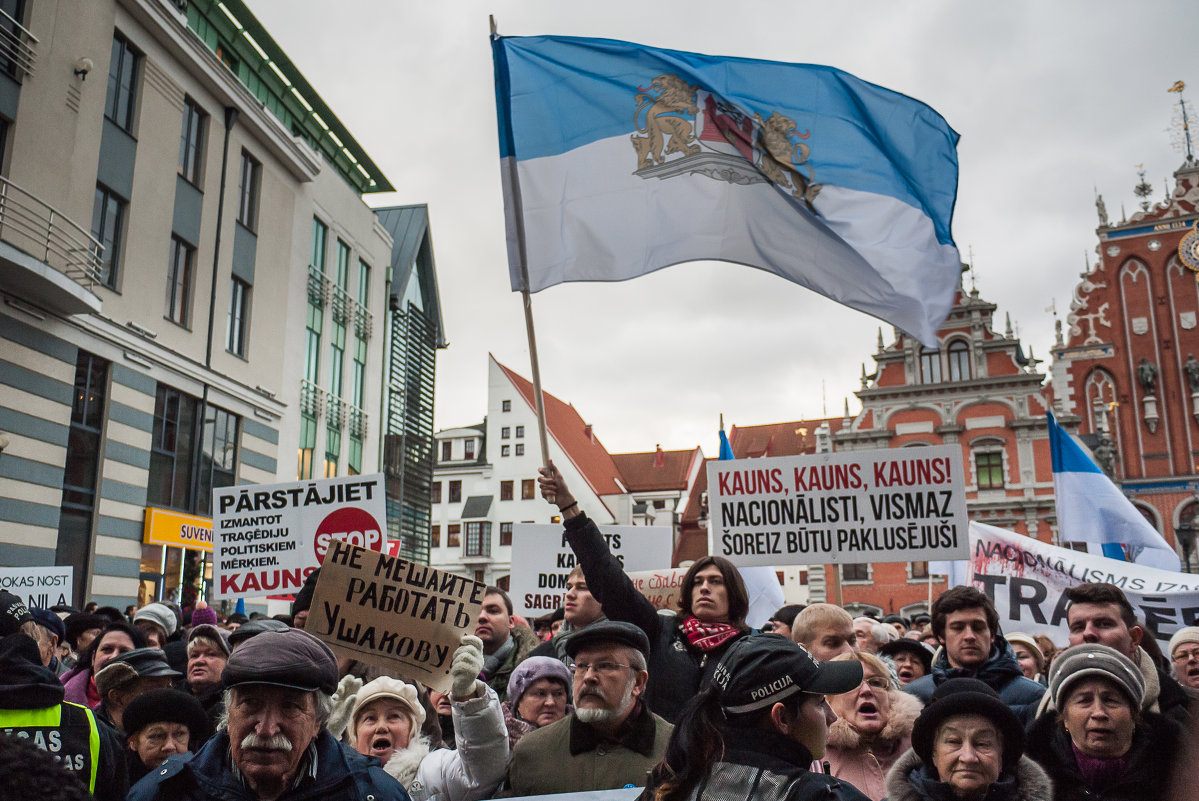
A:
[(684, 648)]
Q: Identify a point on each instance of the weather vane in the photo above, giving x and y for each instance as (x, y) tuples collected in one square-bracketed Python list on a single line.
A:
[(1181, 127), (1143, 189)]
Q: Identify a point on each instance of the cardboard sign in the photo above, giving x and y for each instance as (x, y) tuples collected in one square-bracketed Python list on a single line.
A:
[(42, 587), (899, 505), (177, 530), (542, 560), (661, 587), (394, 613), (267, 538), (1027, 579)]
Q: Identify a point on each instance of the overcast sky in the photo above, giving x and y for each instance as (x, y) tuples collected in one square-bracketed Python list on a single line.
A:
[(1052, 100)]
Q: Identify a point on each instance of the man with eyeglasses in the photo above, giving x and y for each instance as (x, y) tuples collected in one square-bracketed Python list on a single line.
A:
[(611, 739), (1184, 654)]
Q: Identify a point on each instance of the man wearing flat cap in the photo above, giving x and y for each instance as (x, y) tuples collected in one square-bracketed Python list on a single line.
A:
[(611, 739), (273, 744)]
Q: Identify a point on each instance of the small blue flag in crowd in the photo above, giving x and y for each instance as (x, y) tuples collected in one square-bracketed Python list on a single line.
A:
[(620, 159), (1090, 508)]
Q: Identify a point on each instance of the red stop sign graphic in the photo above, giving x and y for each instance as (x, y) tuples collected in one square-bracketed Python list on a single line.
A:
[(353, 525)]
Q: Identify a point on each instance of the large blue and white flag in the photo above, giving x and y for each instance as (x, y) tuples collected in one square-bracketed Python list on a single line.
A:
[(1090, 508), (621, 159)]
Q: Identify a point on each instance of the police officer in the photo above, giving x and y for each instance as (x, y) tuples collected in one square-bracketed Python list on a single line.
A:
[(32, 708)]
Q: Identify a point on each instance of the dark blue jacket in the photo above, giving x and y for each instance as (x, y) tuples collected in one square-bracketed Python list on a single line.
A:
[(1001, 672), (342, 775)]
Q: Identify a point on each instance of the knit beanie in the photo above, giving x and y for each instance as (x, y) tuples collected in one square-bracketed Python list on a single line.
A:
[(1094, 660), (1188, 634), (532, 669), (203, 613)]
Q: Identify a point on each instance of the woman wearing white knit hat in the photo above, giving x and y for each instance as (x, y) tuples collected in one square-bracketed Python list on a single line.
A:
[(1184, 656), (386, 721)]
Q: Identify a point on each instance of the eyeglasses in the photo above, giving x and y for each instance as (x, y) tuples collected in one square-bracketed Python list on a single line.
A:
[(878, 683), (1186, 656), (602, 668)]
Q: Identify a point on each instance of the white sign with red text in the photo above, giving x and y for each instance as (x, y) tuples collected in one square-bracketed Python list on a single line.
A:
[(899, 505), (267, 538), (542, 560)]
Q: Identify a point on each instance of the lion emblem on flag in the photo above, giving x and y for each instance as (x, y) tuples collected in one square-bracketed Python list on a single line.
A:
[(669, 106)]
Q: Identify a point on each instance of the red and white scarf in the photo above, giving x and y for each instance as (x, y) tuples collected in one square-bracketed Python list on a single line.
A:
[(706, 636)]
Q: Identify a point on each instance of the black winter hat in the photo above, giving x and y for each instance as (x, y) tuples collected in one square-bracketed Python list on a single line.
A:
[(304, 596), (909, 646), (13, 613), (968, 697), (166, 706), (79, 622), (609, 631)]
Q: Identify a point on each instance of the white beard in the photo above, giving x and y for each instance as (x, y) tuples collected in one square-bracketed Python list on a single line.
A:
[(601, 716)]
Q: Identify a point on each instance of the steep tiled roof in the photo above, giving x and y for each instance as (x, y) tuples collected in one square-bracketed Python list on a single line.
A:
[(574, 436), (779, 439), (693, 541), (656, 471)]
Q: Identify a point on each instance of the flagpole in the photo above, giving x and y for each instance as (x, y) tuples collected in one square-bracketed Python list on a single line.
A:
[(527, 298)]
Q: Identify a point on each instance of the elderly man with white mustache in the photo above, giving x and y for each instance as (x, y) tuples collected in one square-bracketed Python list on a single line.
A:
[(273, 744), (611, 739)]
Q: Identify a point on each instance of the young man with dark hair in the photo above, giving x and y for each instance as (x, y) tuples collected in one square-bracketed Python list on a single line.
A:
[(505, 644), (1100, 613), (579, 611), (967, 628)]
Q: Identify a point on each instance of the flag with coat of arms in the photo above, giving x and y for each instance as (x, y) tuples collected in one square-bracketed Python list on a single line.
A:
[(620, 159)]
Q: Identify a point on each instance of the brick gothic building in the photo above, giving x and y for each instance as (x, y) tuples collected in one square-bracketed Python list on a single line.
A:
[(978, 390), (1129, 363)]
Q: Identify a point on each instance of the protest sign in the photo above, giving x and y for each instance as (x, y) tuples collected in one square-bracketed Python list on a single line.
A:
[(391, 612), (42, 587), (542, 560), (661, 587), (267, 538), (1027, 580), (899, 505)]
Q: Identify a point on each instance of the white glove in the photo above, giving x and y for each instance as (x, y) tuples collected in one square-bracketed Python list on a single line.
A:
[(466, 666), (343, 704)]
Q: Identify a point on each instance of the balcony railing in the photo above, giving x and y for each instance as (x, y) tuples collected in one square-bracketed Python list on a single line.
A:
[(364, 321), (358, 420), (17, 53), (337, 412), (318, 287), (343, 306), (311, 398), (46, 233)]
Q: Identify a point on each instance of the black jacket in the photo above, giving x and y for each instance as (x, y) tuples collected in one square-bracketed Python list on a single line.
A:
[(1155, 753), (26, 685), (911, 780), (677, 670)]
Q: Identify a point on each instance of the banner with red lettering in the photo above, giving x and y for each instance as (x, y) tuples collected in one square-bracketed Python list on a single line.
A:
[(897, 505), (267, 538)]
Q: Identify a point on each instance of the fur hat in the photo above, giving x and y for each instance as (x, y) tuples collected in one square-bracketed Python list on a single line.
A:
[(968, 697), (387, 687), (166, 706)]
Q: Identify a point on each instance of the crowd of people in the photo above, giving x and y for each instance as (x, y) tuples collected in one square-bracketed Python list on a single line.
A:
[(163, 704)]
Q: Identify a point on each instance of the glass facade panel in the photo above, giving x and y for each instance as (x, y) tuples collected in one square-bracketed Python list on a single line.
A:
[(179, 280), (81, 469), (123, 64), (247, 191), (191, 141), (108, 221)]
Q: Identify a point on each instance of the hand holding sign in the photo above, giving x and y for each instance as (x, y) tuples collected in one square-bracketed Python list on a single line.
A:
[(466, 667), (553, 489), (392, 612)]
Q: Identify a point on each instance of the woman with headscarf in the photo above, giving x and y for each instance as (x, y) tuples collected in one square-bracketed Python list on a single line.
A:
[(79, 682), (873, 727), (386, 720), (684, 648), (538, 695), (967, 746), (1100, 745), (1028, 655)]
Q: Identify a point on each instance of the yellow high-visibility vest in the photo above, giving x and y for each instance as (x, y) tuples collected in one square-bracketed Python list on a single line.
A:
[(68, 732)]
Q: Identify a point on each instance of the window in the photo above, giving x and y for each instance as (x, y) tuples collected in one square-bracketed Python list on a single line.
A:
[(108, 223), (435, 537), (320, 235), (505, 490), (453, 535), (505, 533), (358, 374), (455, 492), (332, 451), (179, 280), (307, 446), (247, 192), (337, 358), (918, 570), (959, 361), (930, 366), (218, 455), (343, 264), (988, 466), (122, 83), (312, 343), (172, 448), (447, 451), (505, 432), (191, 141), (354, 460), (520, 449), (659, 504), (527, 489), (435, 494), (505, 450), (478, 539), (470, 449), (82, 465), (520, 431), (364, 282), (855, 572), (239, 317), (506, 406)]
